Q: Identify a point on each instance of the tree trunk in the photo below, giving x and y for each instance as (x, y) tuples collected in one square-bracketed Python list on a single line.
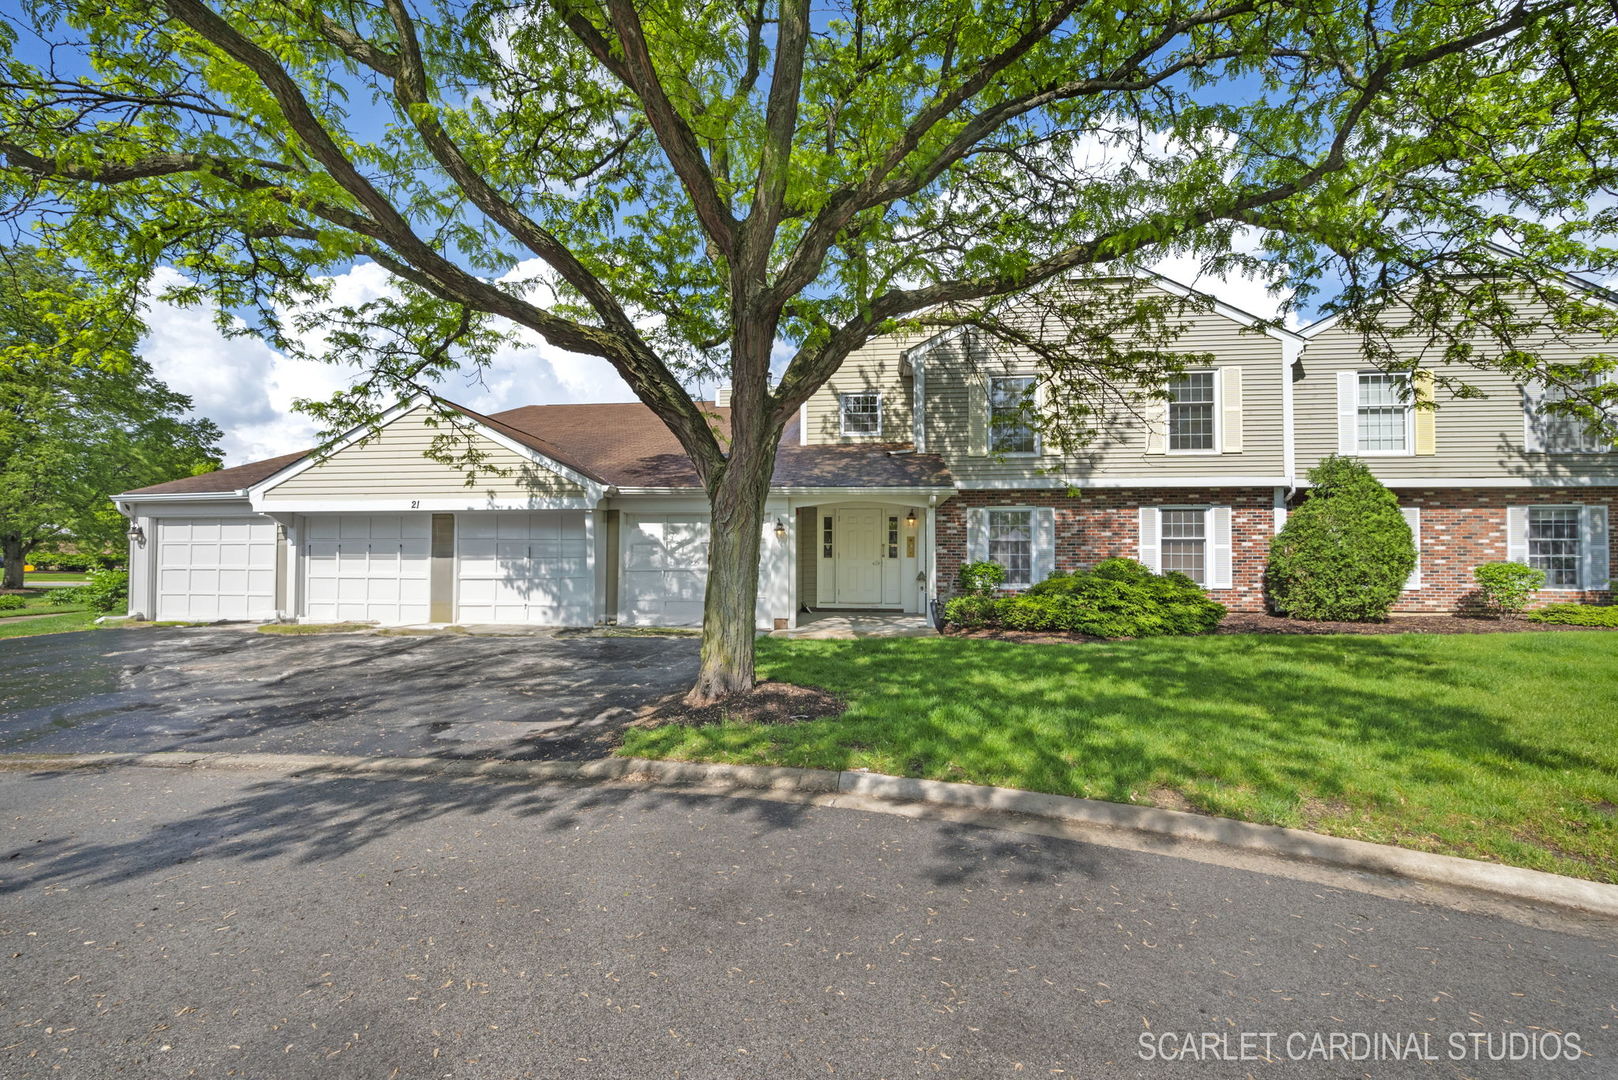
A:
[(16, 555), (730, 606)]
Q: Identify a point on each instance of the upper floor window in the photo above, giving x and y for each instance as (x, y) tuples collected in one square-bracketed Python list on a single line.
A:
[(1009, 429), (1571, 434), (862, 414), (1011, 544), (1383, 414), (1191, 411)]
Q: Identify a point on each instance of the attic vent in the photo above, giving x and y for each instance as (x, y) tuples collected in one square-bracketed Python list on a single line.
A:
[(721, 396)]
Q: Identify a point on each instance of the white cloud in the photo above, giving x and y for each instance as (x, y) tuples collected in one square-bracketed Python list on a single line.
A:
[(248, 388)]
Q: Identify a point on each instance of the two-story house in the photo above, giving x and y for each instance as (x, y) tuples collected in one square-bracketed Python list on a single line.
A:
[(913, 458)]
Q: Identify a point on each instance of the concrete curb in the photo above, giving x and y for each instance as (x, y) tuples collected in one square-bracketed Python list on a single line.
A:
[(1509, 882)]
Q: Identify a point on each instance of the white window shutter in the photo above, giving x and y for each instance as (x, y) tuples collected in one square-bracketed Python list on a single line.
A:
[(1533, 420), (1348, 412), (1044, 543), (1230, 409), (1413, 519), (1148, 537), (1596, 556), (1517, 534), (1220, 571), (1157, 426), (977, 534)]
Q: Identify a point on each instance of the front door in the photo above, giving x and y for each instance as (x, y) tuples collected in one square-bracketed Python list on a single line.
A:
[(858, 560)]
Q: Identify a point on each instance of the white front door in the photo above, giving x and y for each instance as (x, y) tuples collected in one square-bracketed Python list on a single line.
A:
[(857, 561)]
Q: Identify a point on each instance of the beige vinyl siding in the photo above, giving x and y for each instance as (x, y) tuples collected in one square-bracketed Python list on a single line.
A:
[(875, 366), (393, 465), (1470, 437), (955, 381)]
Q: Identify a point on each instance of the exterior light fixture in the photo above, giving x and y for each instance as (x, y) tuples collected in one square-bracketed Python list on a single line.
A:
[(780, 529), (137, 534), (910, 518)]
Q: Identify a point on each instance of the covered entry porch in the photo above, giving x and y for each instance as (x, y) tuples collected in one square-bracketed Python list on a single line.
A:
[(864, 554)]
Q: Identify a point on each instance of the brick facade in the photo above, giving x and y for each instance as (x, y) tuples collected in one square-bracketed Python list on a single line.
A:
[(1105, 523), (1464, 527), (1460, 529)]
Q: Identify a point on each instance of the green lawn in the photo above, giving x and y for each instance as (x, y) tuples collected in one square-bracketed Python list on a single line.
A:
[(56, 624), (55, 575), (38, 605), (1491, 746)]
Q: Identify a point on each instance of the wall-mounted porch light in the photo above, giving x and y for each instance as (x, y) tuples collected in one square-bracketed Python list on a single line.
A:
[(137, 534), (780, 529), (910, 518)]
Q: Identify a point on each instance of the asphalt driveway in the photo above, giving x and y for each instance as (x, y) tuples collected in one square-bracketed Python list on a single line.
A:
[(236, 690)]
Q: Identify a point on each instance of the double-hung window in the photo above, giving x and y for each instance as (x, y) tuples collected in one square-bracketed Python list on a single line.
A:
[(1184, 543), (1571, 434), (1553, 544), (1191, 411), (1383, 414), (1011, 544), (1009, 429), (862, 413)]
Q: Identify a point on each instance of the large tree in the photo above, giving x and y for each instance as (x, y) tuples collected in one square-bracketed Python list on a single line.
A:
[(686, 187), (82, 417)]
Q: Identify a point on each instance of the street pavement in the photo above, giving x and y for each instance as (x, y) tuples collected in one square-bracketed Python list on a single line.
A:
[(174, 923)]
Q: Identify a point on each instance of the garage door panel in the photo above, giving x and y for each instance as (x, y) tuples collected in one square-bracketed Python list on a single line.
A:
[(215, 568), (524, 567), (368, 568), (665, 570)]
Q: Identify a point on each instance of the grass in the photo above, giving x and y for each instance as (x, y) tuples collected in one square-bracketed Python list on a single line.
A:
[(315, 628), (36, 605), (56, 624), (55, 575), (1489, 746)]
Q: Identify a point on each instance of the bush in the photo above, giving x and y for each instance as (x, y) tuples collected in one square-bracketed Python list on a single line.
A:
[(1576, 615), (1119, 598), (1508, 586), (1345, 553), (108, 590), (12, 602), (981, 578), (65, 597)]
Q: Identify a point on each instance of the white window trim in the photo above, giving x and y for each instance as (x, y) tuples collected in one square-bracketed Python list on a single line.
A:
[(1528, 539), (1410, 420), (1535, 413), (1218, 419), (842, 415), (1207, 540), (988, 422), (1033, 542)]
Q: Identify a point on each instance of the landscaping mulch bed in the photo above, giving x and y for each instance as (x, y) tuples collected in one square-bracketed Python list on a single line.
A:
[(769, 703), (1245, 622)]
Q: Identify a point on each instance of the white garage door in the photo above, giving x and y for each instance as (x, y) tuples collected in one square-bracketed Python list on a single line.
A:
[(215, 568), (524, 568), (367, 567), (665, 571)]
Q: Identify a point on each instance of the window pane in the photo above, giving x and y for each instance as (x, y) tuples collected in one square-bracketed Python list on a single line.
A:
[(1381, 412), (1553, 544), (862, 414), (1191, 412), (1009, 430), (1183, 545), (1011, 544), (1570, 434)]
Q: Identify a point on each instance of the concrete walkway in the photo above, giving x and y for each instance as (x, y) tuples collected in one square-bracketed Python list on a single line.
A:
[(844, 625)]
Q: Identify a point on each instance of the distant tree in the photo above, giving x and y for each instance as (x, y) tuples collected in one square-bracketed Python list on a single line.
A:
[(76, 428), (1346, 553), (691, 188)]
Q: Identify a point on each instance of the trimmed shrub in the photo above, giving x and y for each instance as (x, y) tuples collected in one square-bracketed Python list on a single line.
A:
[(970, 612), (13, 602), (1119, 598), (65, 597), (1576, 615), (1508, 586), (980, 578), (1345, 553), (108, 590)]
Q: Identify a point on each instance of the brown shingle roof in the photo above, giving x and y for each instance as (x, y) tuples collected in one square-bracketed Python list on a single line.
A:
[(626, 445)]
